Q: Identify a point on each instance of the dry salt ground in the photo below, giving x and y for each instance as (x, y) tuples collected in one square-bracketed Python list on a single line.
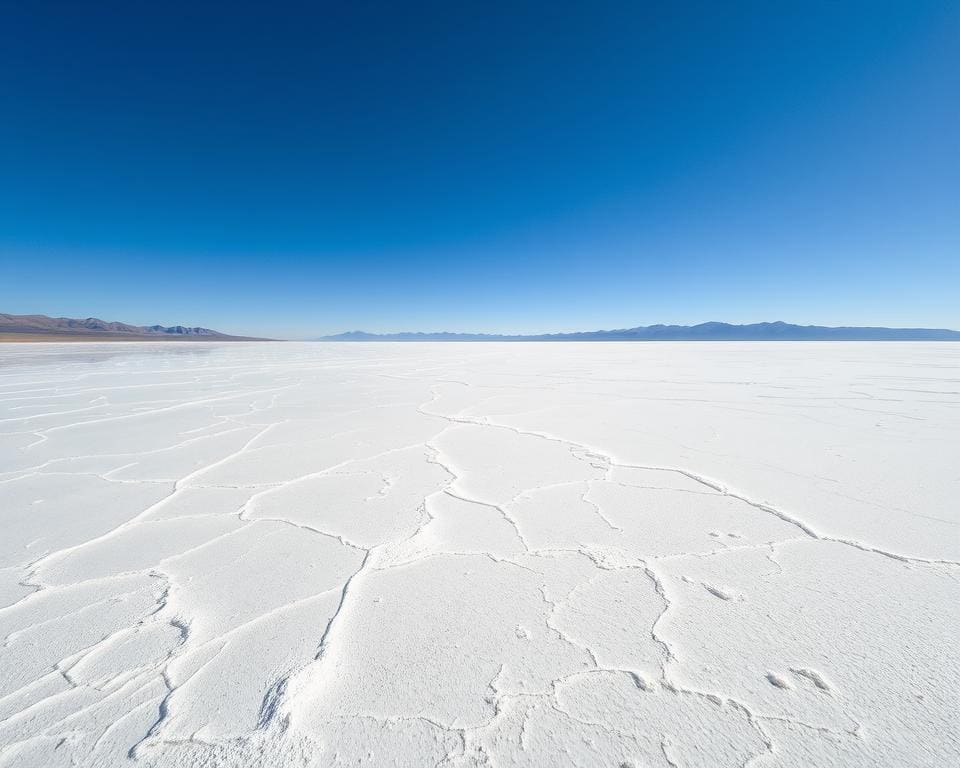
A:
[(480, 555)]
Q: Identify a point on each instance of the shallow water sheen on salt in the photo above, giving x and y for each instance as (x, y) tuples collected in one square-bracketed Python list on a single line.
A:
[(606, 554)]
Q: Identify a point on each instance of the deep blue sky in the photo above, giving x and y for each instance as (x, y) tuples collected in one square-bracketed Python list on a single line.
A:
[(297, 169)]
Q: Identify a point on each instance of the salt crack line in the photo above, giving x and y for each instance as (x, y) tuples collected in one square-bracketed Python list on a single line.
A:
[(595, 453)]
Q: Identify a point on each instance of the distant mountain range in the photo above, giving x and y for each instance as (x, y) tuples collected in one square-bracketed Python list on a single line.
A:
[(41, 327), (778, 331)]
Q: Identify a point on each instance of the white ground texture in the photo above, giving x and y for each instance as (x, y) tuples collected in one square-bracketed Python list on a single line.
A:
[(616, 555)]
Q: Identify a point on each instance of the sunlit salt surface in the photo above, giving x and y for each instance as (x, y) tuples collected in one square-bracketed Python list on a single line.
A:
[(614, 555)]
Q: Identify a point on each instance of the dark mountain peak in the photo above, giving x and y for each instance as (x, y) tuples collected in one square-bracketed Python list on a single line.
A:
[(181, 330)]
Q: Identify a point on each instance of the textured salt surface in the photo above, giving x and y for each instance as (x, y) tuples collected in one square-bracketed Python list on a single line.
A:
[(491, 554)]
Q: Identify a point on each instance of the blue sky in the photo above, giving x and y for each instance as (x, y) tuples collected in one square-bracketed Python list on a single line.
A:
[(296, 169)]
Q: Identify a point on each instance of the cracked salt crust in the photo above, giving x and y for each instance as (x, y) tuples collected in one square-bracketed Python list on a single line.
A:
[(479, 555)]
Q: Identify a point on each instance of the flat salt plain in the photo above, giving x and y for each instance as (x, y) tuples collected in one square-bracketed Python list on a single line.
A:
[(600, 554)]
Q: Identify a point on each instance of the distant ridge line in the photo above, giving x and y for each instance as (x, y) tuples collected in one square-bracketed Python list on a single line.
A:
[(712, 331), (42, 327)]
